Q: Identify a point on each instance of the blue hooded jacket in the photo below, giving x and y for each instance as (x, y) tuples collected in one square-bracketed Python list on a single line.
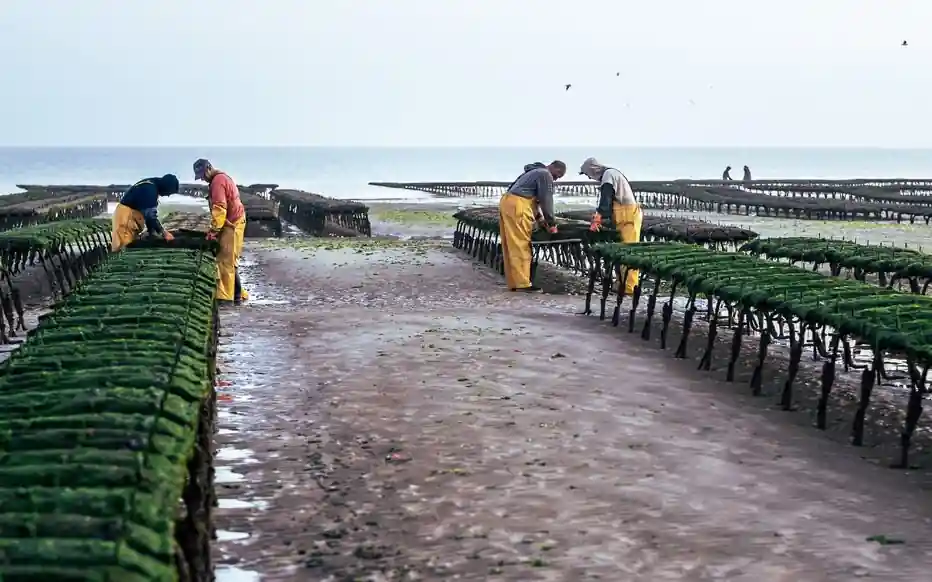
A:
[(143, 196)]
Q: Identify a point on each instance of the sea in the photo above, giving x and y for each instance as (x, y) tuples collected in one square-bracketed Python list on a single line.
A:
[(344, 172)]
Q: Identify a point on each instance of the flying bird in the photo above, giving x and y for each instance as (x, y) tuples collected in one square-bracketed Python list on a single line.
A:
[(568, 85), (617, 74)]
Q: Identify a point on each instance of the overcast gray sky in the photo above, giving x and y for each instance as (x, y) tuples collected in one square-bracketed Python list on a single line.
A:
[(466, 72)]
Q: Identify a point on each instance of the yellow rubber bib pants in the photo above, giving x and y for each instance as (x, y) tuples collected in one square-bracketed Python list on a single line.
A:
[(627, 219), (515, 224), (231, 246), (127, 224)]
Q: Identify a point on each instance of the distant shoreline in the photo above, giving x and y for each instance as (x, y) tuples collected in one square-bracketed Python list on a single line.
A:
[(670, 148)]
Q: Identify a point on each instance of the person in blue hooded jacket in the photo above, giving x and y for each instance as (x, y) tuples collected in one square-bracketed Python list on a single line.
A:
[(138, 210)]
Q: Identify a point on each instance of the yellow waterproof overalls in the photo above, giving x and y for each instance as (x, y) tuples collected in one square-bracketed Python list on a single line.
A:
[(627, 219), (127, 223), (230, 237), (515, 225)]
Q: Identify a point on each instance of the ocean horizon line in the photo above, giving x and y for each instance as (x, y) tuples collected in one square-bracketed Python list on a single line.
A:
[(846, 147)]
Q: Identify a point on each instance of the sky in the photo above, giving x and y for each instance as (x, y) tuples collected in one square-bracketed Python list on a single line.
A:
[(466, 73)]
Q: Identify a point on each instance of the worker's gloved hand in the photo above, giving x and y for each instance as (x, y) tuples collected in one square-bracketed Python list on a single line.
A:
[(552, 229), (211, 235), (169, 236), (596, 224)]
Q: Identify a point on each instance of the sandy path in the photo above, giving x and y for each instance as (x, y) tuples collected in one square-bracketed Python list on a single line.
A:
[(396, 416)]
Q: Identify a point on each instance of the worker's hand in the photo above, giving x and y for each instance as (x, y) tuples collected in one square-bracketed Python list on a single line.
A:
[(596, 224), (211, 235), (169, 236), (552, 229)]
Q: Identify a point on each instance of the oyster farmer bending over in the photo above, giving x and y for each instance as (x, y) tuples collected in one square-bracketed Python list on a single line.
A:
[(616, 199), (227, 226), (532, 190), (139, 209)]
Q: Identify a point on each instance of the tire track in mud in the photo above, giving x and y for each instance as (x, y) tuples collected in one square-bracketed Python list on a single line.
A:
[(387, 425)]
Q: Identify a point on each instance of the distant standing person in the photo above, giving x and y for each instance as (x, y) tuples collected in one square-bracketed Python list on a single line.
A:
[(516, 214), (726, 175), (227, 226), (616, 199), (139, 209), (747, 174)]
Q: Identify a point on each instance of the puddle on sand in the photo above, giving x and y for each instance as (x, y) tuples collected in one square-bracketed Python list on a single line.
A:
[(225, 475), (225, 396), (267, 302), (233, 574), (233, 454), (241, 384), (230, 536), (227, 503), (235, 415), (241, 353)]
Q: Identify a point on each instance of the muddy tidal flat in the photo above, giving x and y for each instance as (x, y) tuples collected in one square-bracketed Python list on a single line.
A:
[(390, 412)]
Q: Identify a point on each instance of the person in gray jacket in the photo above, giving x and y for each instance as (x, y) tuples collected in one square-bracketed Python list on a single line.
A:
[(532, 191), (616, 199)]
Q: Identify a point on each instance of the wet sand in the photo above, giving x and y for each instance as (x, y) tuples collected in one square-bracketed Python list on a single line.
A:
[(393, 414)]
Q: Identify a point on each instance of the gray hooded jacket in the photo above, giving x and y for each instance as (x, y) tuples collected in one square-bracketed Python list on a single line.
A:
[(536, 183), (614, 185)]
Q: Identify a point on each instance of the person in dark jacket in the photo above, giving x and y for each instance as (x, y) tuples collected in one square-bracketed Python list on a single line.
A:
[(747, 174), (726, 175), (138, 210)]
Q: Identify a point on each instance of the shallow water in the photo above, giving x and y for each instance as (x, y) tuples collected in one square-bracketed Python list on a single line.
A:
[(231, 536), (234, 574), (267, 301), (227, 503), (224, 475)]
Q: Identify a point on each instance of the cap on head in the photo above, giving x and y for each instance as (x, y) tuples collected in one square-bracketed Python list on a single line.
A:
[(201, 167), (168, 185)]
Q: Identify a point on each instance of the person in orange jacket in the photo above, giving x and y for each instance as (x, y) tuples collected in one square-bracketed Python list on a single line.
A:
[(227, 226)]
